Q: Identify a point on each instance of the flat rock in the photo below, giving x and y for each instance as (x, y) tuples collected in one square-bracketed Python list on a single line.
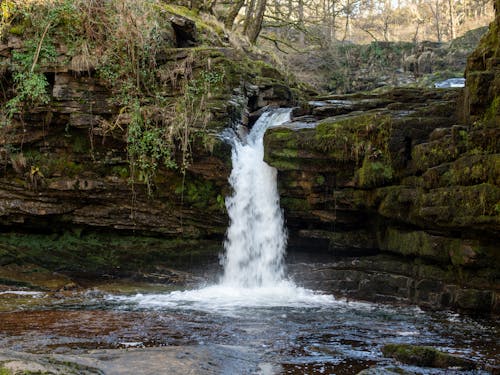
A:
[(212, 359)]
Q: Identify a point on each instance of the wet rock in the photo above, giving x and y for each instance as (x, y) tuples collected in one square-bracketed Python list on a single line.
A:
[(33, 277), (399, 280), (165, 275), (404, 176), (480, 300), (384, 371), (209, 359), (426, 356)]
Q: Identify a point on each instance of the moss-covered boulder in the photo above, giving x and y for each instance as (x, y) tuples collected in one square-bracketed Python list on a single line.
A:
[(426, 356)]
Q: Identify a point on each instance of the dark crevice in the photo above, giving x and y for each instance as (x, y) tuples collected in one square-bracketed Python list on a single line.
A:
[(185, 33)]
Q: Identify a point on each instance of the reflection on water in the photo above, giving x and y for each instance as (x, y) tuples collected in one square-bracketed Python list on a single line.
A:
[(329, 336)]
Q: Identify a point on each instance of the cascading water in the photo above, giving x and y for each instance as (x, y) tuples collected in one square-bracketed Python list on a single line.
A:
[(255, 242), (256, 237)]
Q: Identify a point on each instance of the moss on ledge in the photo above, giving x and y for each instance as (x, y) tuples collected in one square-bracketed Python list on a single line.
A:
[(102, 252)]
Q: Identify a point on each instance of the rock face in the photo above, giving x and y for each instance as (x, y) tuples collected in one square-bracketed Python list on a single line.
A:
[(398, 184), (402, 188), (76, 164), (483, 76)]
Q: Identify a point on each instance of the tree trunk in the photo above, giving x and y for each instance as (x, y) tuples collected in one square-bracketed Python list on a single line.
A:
[(332, 26), (347, 19), (300, 11), (249, 16), (254, 28), (233, 13), (452, 19), (437, 19)]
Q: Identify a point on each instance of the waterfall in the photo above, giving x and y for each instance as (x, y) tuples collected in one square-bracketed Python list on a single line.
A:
[(256, 238)]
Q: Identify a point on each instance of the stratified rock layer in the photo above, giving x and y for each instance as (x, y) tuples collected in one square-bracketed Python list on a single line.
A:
[(71, 198), (404, 187), (396, 182)]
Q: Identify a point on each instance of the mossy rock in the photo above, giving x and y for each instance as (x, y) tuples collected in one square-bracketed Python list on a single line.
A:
[(466, 171), (474, 299), (425, 356), (419, 244), (459, 206), (374, 173), (475, 206), (431, 154), (353, 137), (33, 277), (104, 252)]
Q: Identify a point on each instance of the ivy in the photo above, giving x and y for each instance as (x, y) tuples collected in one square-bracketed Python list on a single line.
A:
[(148, 149)]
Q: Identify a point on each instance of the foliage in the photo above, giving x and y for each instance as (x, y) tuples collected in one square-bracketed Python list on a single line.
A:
[(374, 173), (124, 43), (147, 147), (39, 49), (30, 85)]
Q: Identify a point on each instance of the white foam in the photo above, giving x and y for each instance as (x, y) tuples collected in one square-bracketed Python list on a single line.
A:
[(23, 293), (220, 298)]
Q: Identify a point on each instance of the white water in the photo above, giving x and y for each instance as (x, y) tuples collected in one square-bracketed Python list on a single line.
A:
[(255, 243), (256, 237)]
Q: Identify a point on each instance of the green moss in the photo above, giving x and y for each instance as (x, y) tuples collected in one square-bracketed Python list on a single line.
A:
[(420, 244), (99, 252), (286, 153), (320, 180), (120, 171), (284, 164), (32, 276), (18, 29), (80, 144), (374, 173), (470, 170), (425, 356), (61, 165), (201, 194), (204, 25), (280, 134), (295, 204), (427, 155), (354, 137), (492, 114)]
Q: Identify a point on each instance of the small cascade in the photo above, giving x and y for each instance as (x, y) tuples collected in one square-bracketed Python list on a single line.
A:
[(256, 237)]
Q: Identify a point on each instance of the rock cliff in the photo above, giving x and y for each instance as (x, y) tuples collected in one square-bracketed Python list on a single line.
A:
[(402, 188), (111, 167)]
